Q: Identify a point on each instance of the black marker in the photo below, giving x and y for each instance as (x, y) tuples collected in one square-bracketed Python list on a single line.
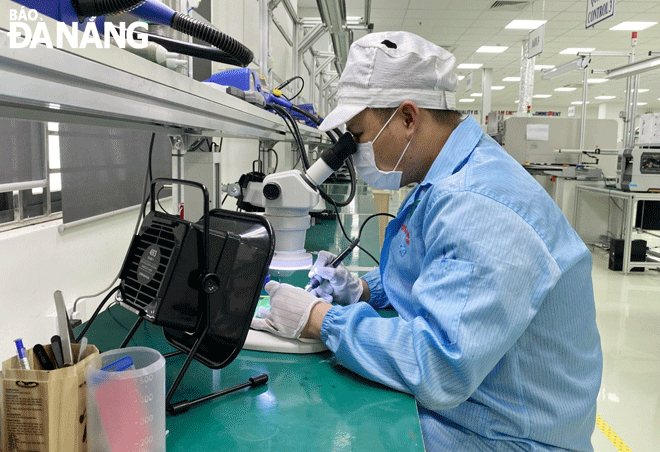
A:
[(56, 344), (45, 362)]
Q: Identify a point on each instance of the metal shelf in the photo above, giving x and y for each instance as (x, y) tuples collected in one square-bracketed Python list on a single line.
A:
[(113, 87)]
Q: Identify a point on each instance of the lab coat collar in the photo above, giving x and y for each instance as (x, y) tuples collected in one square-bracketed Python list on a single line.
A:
[(456, 150)]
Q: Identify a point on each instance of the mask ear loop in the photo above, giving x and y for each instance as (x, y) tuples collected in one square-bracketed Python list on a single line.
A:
[(383, 128), (402, 154)]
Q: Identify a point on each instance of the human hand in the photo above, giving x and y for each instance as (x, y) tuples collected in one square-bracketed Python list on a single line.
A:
[(339, 285), (289, 310)]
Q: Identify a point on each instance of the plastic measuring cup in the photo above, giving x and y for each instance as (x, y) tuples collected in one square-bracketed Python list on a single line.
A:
[(126, 406)]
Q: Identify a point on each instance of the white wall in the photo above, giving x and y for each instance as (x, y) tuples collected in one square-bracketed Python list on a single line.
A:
[(240, 20), (38, 260)]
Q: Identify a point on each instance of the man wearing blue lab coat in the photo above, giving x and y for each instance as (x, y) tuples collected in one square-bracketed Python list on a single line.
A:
[(496, 336)]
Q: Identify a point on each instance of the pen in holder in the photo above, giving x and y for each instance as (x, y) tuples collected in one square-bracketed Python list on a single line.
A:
[(45, 410)]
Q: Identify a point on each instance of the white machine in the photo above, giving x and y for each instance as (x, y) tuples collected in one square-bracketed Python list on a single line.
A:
[(541, 139), (288, 197), (638, 169)]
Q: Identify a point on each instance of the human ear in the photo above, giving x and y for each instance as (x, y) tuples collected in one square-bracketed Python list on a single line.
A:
[(410, 112)]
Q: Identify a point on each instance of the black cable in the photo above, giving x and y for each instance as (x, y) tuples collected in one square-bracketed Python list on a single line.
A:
[(381, 214), (360, 230), (158, 199), (289, 81), (351, 169), (293, 128), (223, 199), (277, 158), (96, 313), (146, 195)]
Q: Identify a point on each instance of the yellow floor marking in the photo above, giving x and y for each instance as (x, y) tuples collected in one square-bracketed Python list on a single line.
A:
[(609, 434)]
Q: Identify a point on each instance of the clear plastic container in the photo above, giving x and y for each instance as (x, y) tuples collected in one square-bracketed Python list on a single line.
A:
[(126, 408)]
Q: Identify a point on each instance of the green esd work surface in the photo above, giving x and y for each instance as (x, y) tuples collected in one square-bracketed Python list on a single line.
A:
[(310, 403)]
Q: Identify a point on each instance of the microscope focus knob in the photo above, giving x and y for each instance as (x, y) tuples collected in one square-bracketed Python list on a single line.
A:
[(272, 191)]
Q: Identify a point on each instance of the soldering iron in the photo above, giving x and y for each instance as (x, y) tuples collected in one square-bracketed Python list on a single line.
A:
[(317, 280)]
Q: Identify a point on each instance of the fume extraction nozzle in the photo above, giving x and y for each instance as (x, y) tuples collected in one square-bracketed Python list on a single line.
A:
[(155, 11)]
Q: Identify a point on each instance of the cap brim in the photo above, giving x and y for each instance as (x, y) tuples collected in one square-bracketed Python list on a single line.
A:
[(340, 115)]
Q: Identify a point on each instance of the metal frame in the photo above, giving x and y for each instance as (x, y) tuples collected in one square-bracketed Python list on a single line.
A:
[(630, 199), (18, 188), (305, 33)]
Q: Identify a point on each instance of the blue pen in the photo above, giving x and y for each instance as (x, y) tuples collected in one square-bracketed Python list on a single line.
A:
[(317, 280), (22, 357), (119, 365)]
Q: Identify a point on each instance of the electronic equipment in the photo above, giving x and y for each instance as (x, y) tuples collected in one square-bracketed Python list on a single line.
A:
[(638, 169), (200, 281), (243, 83), (637, 254), (540, 140), (287, 198)]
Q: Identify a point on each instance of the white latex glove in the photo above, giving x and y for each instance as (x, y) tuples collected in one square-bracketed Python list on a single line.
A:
[(289, 310), (339, 285)]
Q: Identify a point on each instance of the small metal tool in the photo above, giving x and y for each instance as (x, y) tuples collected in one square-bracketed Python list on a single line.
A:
[(63, 323)]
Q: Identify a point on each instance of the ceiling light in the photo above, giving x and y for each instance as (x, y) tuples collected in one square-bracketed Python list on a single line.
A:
[(476, 94), (541, 96), (604, 97), (491, 49), (565, 89), (633, 68), (641, 103), (466, 100), (579, 63), (575, 51), (525, 24), (469, 66), (596, 80), (511, 79), (461, 77), (539, 67), (633, 26), (517, 101), (642, 90), (578, 102), (496, 88)]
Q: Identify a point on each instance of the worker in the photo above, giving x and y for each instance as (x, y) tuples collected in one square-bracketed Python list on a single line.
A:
[(496, 334)]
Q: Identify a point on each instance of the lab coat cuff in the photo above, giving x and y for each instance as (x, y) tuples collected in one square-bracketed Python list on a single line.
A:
[(377, 299), (328, 321)]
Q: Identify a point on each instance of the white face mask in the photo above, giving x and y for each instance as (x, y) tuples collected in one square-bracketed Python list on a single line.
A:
[(365, 164)]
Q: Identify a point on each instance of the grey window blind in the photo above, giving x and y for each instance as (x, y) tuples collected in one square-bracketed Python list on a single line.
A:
[(103, 168), (22, 151)]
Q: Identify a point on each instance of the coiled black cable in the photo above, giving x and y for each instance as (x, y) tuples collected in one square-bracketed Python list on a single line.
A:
[(207, 33), (180, 22)]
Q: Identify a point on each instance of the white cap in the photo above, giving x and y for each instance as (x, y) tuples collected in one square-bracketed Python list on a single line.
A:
[(387, 68)]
